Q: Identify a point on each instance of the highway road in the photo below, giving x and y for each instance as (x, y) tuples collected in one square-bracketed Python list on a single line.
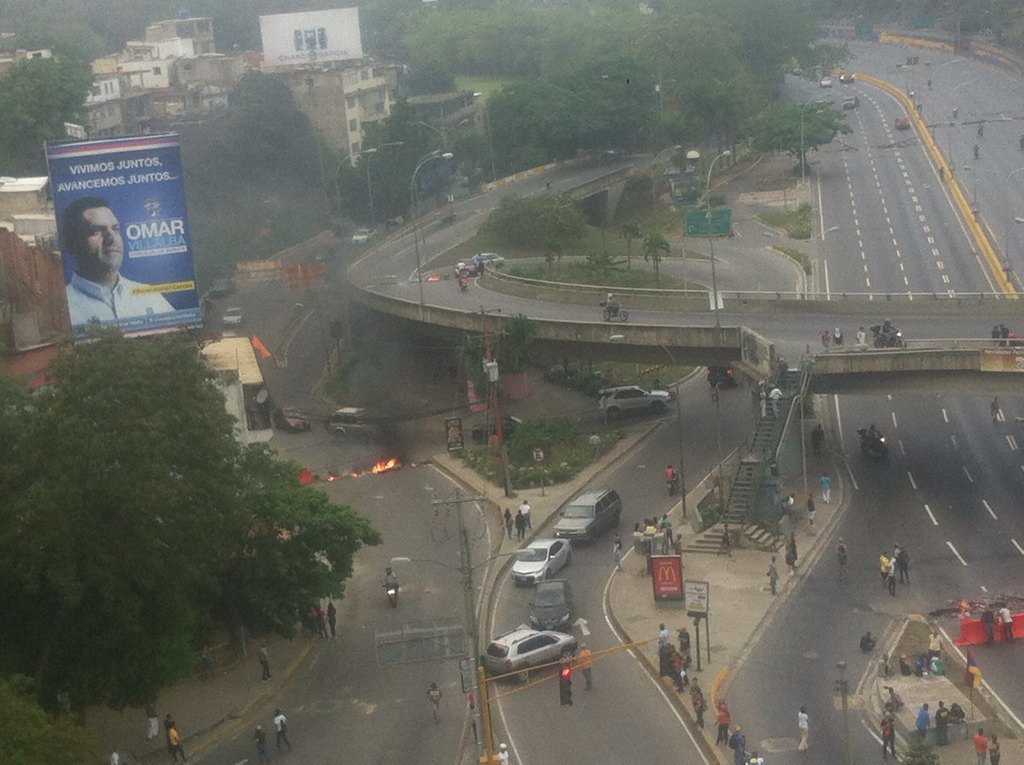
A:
[(946, 493)]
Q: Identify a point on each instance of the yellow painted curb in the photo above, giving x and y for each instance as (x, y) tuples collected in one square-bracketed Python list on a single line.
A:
[(717, 683), (978, 234)]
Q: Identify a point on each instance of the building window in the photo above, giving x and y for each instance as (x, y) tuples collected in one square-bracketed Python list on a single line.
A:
[(353, 126), (95, 90), (364, 74), (355, 148), (156, 71)]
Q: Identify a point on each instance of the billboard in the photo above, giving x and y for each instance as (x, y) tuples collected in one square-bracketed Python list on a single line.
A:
[(124, 235), (290, 39)]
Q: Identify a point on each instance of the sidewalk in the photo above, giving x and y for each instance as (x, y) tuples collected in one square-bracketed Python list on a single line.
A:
[(207, 712)]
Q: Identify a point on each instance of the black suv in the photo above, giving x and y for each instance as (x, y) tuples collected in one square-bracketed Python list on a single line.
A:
[(589, 515)]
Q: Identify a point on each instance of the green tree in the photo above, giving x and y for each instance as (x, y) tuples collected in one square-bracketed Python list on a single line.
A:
[(629, 232), (601, 262), (792, 127), (516, 345), (549, 223), (656, 247), (37, 96), (122, 519), (30, 736)]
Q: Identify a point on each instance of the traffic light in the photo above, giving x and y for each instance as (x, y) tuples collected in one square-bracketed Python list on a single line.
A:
[(565, 685)]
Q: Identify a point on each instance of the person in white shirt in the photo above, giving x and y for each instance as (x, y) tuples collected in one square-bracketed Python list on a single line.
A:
[(91, 233), (525, 510), (803, 724)]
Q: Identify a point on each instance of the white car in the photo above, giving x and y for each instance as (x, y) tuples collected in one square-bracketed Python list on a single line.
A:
[(522, 648), (826, 82), (232, 317), (363, 235), (540, 560), (626, 399)]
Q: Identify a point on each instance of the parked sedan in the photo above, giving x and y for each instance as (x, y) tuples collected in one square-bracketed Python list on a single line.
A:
[(540, 560), (902, 123), (552, 606), (291, 420), (522, 648)]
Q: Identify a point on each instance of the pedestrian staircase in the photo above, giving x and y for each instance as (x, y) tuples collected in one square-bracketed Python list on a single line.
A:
[(757, 462)]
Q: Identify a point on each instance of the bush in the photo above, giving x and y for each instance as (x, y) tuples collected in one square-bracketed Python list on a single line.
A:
[(796, 223)]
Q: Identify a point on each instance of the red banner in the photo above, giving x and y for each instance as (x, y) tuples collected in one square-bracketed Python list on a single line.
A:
[(667, 577)]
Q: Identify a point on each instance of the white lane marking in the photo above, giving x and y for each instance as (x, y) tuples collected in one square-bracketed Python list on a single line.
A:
[(958, 556), (1019, 548), (911, 477), (1012, 442), (990, 510), (895, 424), (903, 449), (656, 684), (984, 588), (931, 515), (968, 474), (945, 416)]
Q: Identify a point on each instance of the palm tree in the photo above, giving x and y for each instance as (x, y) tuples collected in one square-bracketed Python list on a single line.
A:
[(629, 232), (655, 248)]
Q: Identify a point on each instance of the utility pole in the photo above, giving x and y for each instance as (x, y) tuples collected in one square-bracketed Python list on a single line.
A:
[(494, 403)]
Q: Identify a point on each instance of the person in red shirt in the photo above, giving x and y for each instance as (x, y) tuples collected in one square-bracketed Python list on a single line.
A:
[(723, 723), (981, 746)]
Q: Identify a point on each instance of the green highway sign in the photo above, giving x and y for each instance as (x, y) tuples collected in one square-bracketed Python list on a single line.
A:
[(721, 222)]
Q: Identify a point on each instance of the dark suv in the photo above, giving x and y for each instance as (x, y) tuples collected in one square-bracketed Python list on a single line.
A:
[(589, 515)]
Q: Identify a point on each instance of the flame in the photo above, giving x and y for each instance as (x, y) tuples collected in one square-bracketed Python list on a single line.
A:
[(383, 466)]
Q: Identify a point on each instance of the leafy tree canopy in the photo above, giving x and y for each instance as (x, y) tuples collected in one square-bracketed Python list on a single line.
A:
[(37, 96), (790, 127), (547, 223), (30, 736), (131, 517)]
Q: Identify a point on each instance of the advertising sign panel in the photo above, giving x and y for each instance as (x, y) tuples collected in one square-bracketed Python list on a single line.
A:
[(124, 234), (667, 577), (1002, 360), (290, 39), (698, 598)]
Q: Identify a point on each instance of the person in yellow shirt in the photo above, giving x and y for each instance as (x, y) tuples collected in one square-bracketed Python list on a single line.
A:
[(174, 745), (585, 662), (883, 562)]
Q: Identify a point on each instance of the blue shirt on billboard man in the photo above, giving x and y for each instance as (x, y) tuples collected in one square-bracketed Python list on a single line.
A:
[(91, 233)]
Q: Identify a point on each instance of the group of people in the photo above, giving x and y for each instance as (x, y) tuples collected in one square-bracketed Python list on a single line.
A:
[(890, 564), (520, 522), (280, 733), (737, 739), (1004, 336), (318, 621), (1001, 614), (673, 662)]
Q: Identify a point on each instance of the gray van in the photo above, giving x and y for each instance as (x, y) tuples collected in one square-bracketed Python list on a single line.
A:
[(590, 514)]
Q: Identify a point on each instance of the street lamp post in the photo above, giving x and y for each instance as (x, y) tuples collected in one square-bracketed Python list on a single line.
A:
[(436, 154), (711, 238)]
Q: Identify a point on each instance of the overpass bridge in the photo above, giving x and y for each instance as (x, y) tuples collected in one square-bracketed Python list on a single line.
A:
[(970, 366)]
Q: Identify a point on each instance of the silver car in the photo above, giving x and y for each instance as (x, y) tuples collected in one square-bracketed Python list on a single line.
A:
[(522, 648), (540, 560), (626, 399)]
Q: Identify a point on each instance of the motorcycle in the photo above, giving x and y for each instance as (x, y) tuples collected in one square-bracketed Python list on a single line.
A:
[(463, 282), (391, 588), (613, 311), (873, 444), (887, 336)]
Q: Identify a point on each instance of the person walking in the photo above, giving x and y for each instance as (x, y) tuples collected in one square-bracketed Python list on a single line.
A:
[(883, 566), (434, 699), (888, 729), (260, 738), (699, 704), (903, 563), (994, 409), (168, 724), (510, 523), (842, 556), (924, 718), (1006, 618), (773, 575), (941, 725), (503, 756), (281, 728), (826, 487), (890, 577), (520, 523), (774, 398), (791, 556), (981, 746), (762, 400), (810, 510), (525, 509), (617, 552), (595, 444), (993, 750), (988, 621), (804, 726), (174, 745), (738, 744), (152, 722), (332, 618), (264, 658), (723, 723), (585, 663)]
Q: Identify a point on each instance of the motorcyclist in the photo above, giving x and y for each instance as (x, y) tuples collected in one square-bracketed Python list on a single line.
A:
[(867, 642), (873, 433), (672, 479), (390, 580), (611, 305)]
